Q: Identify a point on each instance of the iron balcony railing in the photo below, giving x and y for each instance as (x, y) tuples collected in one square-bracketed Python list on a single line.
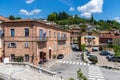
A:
[(62, 38), (23, 38)]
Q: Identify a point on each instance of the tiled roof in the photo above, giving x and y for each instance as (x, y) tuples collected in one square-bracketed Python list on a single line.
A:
[(3, 19), (106, 36)]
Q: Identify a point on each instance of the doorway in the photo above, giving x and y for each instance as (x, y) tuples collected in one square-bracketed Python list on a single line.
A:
[(50, 54)]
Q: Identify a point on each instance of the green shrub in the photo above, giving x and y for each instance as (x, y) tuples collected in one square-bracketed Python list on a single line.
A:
[(54, 56), (71, 79), (19, 59), (84, 78)]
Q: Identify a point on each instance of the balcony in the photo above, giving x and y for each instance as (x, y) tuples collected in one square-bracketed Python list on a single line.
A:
[(23, 38), (62, 38)]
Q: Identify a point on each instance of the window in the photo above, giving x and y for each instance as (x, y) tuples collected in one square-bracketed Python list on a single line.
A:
[(12, 32), (49, 33), (26, 32), (65, 35), (26, 57), (26, 44), (12, 45), (12, 57), (58, 34), (54, 34)]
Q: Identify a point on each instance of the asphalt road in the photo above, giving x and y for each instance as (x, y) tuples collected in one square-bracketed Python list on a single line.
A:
[(67, 67), (110, 74)]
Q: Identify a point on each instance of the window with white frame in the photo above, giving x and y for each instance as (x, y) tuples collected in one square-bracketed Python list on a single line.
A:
[(26, 44), (12, 45)]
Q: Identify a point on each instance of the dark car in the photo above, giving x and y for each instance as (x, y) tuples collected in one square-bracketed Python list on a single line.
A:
[(88, 53), (60, 56), (109, 56), (104, 53), (93, 58), (115, 59)]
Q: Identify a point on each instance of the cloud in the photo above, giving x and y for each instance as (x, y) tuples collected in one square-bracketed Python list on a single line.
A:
[(117, 19), (25, 12), (71, 9), (29, 1), (93, 6)]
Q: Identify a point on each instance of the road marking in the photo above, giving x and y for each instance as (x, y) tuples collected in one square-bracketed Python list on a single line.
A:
[(95, 73), (77, 63), (67, 62), (73, 62), (81, 63), (84, 64), (63, 62)]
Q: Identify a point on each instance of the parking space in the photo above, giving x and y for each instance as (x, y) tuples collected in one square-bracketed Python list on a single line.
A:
[(104, 62)]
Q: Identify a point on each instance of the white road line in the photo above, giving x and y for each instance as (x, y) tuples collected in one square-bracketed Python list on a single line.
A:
[(67, 62), (95, 73), (73, 62), (81, 63), (63, 62), (84, 64), (77, 63)]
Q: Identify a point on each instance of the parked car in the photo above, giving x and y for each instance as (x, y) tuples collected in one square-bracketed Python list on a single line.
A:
[(88, 53), (115, 59), (104, 53), (93, 58), (109, 56), (60, 56), (75, 47)]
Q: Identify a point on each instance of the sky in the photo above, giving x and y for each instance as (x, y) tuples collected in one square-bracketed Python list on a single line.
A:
[(100, 9)]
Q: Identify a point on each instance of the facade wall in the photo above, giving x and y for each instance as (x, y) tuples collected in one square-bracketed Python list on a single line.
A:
[(116, 41), (94, 42), (35, 47)]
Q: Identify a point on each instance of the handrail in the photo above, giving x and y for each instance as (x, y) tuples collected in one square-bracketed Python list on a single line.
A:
[(33, 67)]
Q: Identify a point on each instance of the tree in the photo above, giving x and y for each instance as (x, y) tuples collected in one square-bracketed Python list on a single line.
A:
[(18, 18), (52, 17), (11, 17), (83, 47), (116, 50)]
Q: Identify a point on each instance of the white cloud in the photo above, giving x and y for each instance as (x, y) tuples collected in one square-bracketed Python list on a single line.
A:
[(117, 19), (25, 12), (29, 1), (94, 6), (71, 9)]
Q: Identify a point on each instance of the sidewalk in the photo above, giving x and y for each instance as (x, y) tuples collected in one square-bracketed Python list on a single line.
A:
[(51, 62)]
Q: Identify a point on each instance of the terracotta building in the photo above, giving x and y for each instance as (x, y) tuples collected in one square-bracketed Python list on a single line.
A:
[(34, 40), (91, 39), (1, 36)]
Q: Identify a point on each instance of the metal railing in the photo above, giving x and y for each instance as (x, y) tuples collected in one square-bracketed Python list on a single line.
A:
[(23, 38), (62, 38)]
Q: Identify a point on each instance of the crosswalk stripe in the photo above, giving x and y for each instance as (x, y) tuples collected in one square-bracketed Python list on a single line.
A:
[(63, 62), (72, 62), (66, 61), (77, 63), (95, 73)]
